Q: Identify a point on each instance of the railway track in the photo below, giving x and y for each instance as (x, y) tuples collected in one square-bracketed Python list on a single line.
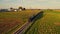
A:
[(27, 25)]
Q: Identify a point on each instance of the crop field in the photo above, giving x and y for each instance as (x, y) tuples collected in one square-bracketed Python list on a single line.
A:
[(48, 24), (11, 21)]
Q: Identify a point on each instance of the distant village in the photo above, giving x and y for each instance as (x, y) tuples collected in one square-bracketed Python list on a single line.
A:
[(12, 9)]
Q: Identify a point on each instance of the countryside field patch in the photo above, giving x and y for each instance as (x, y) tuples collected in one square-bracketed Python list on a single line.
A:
[(11, 21), (57, 24), (47, 24)]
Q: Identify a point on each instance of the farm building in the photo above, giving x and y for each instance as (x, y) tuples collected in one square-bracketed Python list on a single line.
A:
[(19, 9)]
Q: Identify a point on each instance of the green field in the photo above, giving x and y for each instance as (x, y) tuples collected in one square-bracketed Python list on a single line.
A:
[(48, 24), (11, 21)]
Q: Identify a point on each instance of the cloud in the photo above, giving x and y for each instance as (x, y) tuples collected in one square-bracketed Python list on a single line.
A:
[(54, 1), (6, 0), (42, 0), (31, 3)]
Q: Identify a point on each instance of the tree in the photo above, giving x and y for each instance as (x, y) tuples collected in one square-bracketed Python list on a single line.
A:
[(20, 8), (23, 9), (11, 8)]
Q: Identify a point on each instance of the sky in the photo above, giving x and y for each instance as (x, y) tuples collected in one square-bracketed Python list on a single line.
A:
[(42, 4)]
